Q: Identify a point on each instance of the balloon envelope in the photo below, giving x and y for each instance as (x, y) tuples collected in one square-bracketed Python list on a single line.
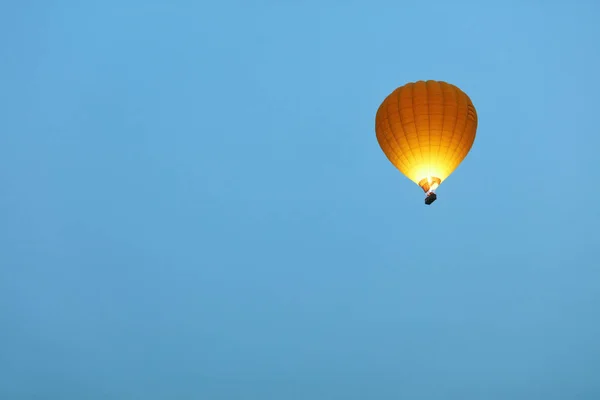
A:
[(426, 129)]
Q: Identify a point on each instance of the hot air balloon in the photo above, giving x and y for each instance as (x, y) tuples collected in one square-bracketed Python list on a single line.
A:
[(426, 129)]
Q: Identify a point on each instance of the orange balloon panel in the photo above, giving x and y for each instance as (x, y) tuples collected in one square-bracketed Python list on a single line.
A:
[(426, 129)]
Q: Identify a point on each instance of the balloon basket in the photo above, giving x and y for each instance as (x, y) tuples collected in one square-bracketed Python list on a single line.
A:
[(430, 198)]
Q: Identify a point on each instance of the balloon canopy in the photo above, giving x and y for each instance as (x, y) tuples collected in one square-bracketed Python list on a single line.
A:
[(426, 129)]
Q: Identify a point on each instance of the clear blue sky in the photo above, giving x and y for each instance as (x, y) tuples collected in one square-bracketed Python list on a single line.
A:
[(194, 204)]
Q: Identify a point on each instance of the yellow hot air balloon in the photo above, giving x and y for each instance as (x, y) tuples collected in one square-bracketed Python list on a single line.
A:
[(426, 129)]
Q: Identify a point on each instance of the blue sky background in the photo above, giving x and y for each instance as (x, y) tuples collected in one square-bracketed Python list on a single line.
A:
[(194, 204)]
